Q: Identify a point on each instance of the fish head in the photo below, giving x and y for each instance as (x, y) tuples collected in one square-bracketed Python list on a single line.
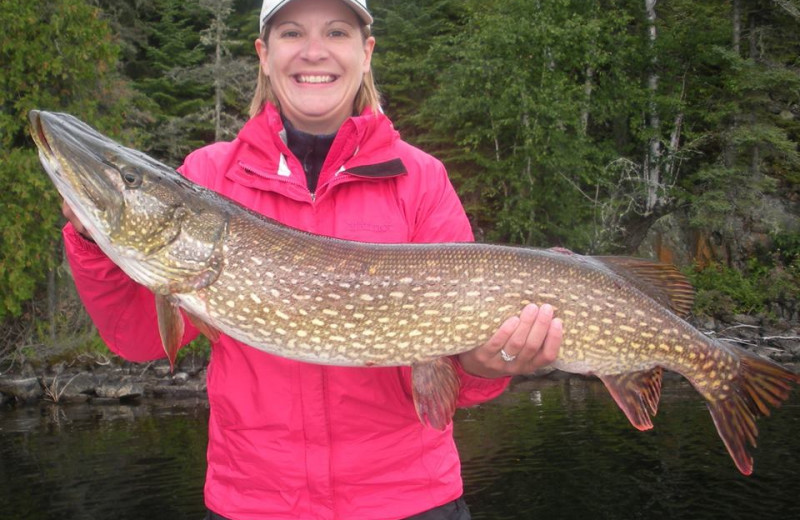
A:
[(136, 208), (116, 192)]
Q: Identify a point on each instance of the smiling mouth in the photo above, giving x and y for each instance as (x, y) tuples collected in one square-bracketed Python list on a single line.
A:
[(315, 79)]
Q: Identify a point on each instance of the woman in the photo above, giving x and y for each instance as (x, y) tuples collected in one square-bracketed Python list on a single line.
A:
[(295, 440)]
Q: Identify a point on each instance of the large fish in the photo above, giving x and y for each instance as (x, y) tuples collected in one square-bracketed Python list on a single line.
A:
[(328, 301)]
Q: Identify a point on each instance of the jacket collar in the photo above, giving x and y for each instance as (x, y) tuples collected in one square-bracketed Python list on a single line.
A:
[(362, 146)]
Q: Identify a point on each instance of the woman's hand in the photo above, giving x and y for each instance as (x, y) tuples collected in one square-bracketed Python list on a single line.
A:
[(521, 345), (66, 210)]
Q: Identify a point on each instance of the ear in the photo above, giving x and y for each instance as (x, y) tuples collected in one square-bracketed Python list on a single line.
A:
[(261, 51), (369, 46)]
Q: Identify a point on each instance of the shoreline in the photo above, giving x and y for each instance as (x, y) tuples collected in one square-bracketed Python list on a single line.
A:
[(113, 380)]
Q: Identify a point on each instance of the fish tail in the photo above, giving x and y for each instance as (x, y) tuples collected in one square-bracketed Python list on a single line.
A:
[(759, 384)]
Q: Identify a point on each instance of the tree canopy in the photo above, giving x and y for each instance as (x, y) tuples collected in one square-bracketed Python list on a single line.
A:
[(578, 124)]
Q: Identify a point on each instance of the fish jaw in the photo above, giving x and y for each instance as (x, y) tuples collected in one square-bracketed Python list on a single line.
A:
[(71, 164)]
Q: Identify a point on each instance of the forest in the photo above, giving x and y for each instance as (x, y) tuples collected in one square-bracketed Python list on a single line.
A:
[(665, 129)]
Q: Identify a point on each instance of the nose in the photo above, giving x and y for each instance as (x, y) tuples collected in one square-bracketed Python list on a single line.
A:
[(315, 49)]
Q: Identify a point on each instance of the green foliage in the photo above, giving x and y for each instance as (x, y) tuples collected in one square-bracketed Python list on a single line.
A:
[(29, 213), (771, 276), (514, 104), (55, 55), (544, 112), (723, 291), (405, 32), (168, 55)]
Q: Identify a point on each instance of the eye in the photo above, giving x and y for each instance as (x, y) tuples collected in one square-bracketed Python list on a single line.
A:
[(131, 176)]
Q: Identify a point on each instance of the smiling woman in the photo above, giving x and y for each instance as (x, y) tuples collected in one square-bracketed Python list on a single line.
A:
[(289, 439), (315, 60)]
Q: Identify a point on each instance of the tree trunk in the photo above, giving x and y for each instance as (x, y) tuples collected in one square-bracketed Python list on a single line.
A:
[(588, 85), (652, 164), (736, 17), (218, 86)]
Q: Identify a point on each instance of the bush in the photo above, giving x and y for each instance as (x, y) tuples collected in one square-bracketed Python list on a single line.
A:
[(771, 277)]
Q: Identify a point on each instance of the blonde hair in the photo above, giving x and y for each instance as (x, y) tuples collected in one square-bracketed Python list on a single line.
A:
[(366, 97)]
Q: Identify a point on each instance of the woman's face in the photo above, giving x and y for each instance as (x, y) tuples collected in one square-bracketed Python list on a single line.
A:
[(315, 58)]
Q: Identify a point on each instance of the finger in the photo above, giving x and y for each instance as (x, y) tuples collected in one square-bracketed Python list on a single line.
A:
[(519, 338), (66, 210), (550, 348), (501, 336), (539, 329), (535, 335)]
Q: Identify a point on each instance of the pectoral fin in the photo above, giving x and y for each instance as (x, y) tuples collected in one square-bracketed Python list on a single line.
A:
[(170, 326), (435, 390), (637, 394)]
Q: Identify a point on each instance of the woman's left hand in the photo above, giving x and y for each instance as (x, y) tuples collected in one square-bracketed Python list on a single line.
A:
[(521, 345)]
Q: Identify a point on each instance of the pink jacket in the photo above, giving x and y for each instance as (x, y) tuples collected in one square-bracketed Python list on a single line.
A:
[(291, 440)]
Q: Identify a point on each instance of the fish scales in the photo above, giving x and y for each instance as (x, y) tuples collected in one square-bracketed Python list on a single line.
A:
[(387, 300), (329, 301)]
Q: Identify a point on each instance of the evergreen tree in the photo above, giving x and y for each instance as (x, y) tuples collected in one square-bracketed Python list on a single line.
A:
[(193, 63), (55, 55), (521, 87)]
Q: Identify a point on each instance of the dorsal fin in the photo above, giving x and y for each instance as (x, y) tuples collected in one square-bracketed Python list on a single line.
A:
[(662, 282)]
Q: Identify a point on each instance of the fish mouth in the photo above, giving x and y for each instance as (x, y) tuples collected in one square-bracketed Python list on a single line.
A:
[(67, 152), (37, 132)]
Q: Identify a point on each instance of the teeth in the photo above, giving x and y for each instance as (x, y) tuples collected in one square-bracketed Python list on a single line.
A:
[(315, 79)]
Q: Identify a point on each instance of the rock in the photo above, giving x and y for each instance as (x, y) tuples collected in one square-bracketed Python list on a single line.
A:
[(192, 363), (79, 384), (749, 330), (21, 388), (707, 323), (68, 386), (787, 344), (747, 319), (161, 368), (124, 388), (193, 388)]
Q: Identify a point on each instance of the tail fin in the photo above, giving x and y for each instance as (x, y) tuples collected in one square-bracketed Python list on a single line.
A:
[(759, 384)]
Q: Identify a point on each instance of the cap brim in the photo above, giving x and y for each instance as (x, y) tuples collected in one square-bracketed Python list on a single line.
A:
[(362, 13)]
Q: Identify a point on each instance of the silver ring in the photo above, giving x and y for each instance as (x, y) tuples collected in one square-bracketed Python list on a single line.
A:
[(506, 357)]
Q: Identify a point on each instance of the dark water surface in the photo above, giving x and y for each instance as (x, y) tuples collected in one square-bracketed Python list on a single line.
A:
[(545, 449)]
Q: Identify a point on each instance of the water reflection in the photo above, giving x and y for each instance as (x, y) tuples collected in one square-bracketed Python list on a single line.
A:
[(545, 449), (572, 454), (98, 462)]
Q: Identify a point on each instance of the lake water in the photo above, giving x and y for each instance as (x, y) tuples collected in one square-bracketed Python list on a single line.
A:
[(554, 449)]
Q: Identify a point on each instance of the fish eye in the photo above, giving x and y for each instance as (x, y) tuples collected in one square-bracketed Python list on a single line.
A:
[(131, 176)]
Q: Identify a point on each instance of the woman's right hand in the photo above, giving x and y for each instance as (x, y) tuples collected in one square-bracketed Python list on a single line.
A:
[(70, 215)]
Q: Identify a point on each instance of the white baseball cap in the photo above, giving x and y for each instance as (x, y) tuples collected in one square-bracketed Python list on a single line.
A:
[(270, 7)]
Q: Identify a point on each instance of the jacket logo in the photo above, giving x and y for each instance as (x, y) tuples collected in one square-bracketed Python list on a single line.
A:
[(360, 226)]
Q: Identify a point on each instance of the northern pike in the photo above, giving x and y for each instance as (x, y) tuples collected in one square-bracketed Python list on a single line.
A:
[(329, 301)]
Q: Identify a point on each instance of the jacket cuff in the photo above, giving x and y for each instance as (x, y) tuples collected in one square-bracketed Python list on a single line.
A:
[(79, 243), (477, 389)]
